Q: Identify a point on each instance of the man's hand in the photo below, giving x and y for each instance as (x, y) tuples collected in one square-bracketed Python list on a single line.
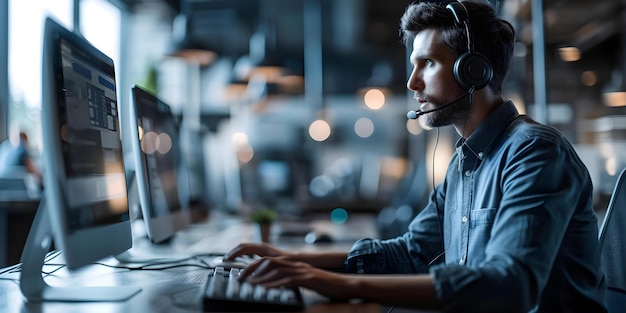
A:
[(272, 272), (261, 249)]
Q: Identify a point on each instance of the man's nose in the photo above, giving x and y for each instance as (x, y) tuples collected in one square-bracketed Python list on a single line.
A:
[(415, 83)]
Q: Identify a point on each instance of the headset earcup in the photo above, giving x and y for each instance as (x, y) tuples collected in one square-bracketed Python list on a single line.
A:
[(472, 69)]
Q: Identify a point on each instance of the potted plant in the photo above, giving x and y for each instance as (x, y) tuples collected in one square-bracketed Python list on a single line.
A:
[(263, 219)]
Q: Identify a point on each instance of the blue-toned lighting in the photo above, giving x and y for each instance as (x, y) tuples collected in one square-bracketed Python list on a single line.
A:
[(339, 216)]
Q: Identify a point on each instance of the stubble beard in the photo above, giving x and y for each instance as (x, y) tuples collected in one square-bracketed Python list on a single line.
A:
[(450, 115)]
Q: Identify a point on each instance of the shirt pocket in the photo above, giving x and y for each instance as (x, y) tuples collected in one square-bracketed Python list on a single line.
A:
[(482, 217), (481, 222)]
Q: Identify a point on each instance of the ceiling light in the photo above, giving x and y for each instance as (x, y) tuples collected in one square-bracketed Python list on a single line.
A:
[(263, 55), (615, 98), (615, 93), (184, 46), (569, 54)]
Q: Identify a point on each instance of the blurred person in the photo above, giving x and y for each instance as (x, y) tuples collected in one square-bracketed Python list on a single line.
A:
[(510, 229), (15, 157)]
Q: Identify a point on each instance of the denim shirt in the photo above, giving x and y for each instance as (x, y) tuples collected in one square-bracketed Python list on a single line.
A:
[(510, 229)]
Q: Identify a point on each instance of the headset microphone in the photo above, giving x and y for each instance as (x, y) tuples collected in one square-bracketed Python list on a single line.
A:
[(415, 114)]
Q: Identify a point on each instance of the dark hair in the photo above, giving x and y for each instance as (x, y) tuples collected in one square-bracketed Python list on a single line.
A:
[(491, 36)]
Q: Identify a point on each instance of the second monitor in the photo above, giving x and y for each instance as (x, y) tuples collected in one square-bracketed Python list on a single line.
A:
[(160, 175)]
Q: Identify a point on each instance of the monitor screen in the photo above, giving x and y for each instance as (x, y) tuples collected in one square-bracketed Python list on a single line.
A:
[(83, 150), (161, 177), (85, 203)]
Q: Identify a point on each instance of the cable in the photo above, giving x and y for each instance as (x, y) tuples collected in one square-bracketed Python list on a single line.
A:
[(169, 264), (48, 273), (147, 267), (18, 267), (439, 222), (11, 269), (439, 226), (153, 266)]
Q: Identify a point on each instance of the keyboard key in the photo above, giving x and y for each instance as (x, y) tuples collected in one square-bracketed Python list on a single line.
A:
[(288, 296), (232, 290), (216, 284), (259, 293), (222, 292), (245, 292)]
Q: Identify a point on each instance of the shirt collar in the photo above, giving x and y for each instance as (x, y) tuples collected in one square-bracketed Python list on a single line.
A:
[(490, 128)]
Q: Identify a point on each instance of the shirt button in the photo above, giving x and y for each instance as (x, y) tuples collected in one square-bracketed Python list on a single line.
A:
[(468, 173), (480, 155), (464, 219)]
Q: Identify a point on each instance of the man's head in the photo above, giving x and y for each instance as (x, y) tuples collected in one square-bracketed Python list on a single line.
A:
[(491, 36), (23, 137)]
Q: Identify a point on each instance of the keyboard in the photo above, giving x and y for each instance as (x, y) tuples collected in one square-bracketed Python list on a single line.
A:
[(222, 292)]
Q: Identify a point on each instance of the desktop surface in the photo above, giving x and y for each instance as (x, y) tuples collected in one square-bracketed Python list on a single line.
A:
[(175, 289)]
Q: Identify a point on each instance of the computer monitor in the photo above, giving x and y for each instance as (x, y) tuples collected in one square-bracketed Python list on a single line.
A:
[(84, 208), (160, 172)]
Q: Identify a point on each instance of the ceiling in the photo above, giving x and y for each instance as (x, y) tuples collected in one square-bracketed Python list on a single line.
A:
[(360, 37), (581, 22)]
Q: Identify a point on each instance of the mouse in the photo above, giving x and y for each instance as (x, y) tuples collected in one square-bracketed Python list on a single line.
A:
[(314, 237)]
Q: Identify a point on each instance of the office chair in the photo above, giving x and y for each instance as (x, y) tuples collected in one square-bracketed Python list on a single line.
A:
[(612, 239)]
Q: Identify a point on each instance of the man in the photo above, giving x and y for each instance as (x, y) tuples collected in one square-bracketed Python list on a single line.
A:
[(15, 156), (510, 229)]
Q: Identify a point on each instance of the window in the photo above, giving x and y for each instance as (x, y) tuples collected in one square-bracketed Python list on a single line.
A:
[(100, 23), (25, 45)]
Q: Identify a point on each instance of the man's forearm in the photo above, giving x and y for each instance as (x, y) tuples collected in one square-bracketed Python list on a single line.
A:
[(416, 291)]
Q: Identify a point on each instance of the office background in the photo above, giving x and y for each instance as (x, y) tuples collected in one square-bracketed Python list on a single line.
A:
[(328, 130)]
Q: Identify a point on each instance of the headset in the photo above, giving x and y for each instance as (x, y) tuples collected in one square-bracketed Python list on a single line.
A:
[(472, 70)]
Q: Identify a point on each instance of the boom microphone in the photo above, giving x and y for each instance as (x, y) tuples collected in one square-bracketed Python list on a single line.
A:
[(415, 114)]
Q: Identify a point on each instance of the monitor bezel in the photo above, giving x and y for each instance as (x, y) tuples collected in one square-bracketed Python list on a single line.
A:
[(158, 228), (86, 245)]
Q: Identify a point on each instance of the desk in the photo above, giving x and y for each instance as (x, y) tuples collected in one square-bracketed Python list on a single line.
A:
[(19, 199), (173, 290), (16, 216)]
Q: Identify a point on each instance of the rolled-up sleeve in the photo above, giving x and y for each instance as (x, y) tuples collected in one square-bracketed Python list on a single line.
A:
[(488, 289), (413, 252)]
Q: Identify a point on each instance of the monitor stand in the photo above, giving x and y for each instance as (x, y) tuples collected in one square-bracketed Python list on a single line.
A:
[(35, 289), (139, 233)]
